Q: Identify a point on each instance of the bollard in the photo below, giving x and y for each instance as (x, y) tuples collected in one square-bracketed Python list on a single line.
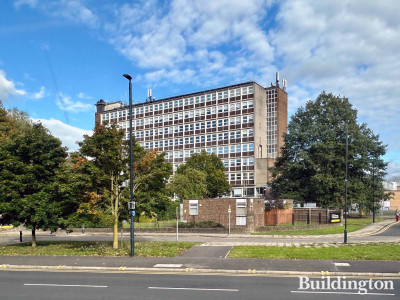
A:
[(83, 228), (20, 236)]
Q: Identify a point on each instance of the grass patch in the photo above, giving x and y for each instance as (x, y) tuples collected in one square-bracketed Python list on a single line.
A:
[(146, 249), (347, 252), (159, 224), (352, 225)]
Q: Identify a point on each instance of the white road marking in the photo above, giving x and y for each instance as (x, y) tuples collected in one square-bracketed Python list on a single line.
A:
[(192, 289), (65, 285), (167, 266), (342, 264), (343, 293)]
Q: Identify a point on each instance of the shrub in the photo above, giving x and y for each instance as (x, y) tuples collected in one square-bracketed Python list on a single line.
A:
[(203, 224)]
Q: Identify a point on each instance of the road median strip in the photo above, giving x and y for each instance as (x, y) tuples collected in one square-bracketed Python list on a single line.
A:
[(192, 271)]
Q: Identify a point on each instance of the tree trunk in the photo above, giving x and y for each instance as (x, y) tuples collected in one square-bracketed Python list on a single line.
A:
[(34, 237), (115, 232)]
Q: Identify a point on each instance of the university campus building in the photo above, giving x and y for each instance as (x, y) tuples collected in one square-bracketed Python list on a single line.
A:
[(241, 123)]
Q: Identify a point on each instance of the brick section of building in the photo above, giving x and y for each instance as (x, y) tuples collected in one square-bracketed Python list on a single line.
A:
[(217, 210)]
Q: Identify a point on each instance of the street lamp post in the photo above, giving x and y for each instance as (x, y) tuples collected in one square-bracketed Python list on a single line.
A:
[(373, 190), (131, 203), (345, 193)]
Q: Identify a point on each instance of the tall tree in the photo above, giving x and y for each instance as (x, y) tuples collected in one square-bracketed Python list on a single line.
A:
[(312, 162), (191, 184), (30, 190), (105, 155), (213, 167)]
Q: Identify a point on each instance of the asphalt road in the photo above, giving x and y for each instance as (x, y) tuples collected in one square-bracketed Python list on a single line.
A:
[(392, 231), (43, 285)]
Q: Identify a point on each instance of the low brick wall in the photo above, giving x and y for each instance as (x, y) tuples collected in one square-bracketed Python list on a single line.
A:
[(294, 227)]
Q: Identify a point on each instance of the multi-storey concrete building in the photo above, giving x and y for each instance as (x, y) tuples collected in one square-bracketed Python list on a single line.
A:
[(242, 124)]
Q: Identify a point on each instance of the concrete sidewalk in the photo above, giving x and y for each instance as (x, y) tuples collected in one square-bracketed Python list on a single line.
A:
[(196, 265)]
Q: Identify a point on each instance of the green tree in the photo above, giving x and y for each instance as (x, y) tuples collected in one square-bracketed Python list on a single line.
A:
[(191, 184), (312, 162), (13, 122), (213, 167), (31, 191), (104, 156)]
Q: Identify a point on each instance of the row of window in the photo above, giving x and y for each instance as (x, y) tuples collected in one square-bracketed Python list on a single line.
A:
[(199, 138), (216, 150), (180, 115), (183, 102), (195, 126), (239, 176)]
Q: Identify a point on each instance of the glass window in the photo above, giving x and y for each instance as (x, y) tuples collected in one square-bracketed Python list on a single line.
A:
[(241, 208), (193, 207)]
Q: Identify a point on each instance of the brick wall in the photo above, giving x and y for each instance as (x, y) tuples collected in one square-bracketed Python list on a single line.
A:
[(217, 210)]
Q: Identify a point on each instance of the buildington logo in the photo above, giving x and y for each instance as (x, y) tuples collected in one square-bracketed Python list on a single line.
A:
[(341, 284)]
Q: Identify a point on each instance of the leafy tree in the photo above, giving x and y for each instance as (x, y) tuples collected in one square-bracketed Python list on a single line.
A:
[(191, 184), (213, 167), (104, 159), (13, 122), (31, 189), (312, 162)]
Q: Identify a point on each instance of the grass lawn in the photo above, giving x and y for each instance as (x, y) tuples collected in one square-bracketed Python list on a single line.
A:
[(347, 252), (352, 225), (147, 249), (160, 224)]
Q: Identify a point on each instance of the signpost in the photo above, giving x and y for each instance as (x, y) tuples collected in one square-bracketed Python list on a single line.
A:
[(229, 219), (334, 217), (177, 219)]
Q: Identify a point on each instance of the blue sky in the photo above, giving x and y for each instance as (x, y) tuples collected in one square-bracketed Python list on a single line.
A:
[(57, 58)]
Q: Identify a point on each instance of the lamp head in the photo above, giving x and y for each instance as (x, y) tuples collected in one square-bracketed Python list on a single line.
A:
[(127, 76)]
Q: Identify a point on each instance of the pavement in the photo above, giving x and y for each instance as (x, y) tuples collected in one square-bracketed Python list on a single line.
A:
[(210, 257)]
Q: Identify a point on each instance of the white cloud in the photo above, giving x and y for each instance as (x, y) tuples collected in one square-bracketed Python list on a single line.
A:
[(7, 87), (349, 49), (82, 95), (31, 3), (393, 169), (65, 103), (40, 94), (216, 38), (69, 135), (72, 10)]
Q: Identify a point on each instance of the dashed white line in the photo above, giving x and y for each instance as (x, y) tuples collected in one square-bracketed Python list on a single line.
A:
[(191, 289), (167, 266), (65, 285), (342, 264)]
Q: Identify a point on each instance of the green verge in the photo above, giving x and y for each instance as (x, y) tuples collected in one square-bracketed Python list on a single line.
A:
[(352, 225), (346, 252), (146, 249)]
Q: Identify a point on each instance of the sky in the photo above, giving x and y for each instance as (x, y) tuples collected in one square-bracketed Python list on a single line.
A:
[(59, 57)]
